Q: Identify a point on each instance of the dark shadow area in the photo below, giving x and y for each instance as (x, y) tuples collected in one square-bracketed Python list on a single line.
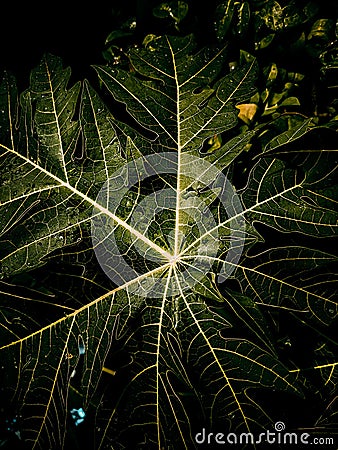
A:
[(77, 35)]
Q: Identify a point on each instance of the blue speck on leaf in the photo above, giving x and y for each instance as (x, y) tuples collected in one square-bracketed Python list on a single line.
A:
[(78, 415)]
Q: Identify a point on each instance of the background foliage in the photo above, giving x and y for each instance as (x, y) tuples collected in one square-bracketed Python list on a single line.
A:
[(287, 122)]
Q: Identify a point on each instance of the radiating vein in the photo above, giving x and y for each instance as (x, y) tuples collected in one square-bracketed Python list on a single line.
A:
[(97, 206), (158, 353), (89, 305), (236, 216), (212, 351), (57, 123), (178, 187), (55, 378)]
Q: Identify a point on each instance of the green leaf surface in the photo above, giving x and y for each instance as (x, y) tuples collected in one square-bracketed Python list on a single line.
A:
[(143, 339)]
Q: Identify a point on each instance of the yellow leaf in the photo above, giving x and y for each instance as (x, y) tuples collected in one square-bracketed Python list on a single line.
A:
[(247, 112)]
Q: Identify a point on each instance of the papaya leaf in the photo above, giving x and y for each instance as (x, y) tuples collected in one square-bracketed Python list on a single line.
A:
[(132, 240)]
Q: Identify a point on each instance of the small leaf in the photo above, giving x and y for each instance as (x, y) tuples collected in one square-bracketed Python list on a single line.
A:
[(223, 18), (247, 112)]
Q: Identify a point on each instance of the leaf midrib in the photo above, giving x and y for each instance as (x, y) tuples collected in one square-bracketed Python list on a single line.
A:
[(212, 351), (89, 305), (95, 205), (57, 122)]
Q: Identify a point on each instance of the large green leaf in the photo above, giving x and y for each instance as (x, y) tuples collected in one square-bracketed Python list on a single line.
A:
[(125, 236)]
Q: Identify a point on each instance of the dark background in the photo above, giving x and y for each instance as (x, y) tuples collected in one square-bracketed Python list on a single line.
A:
[(77, 35)]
